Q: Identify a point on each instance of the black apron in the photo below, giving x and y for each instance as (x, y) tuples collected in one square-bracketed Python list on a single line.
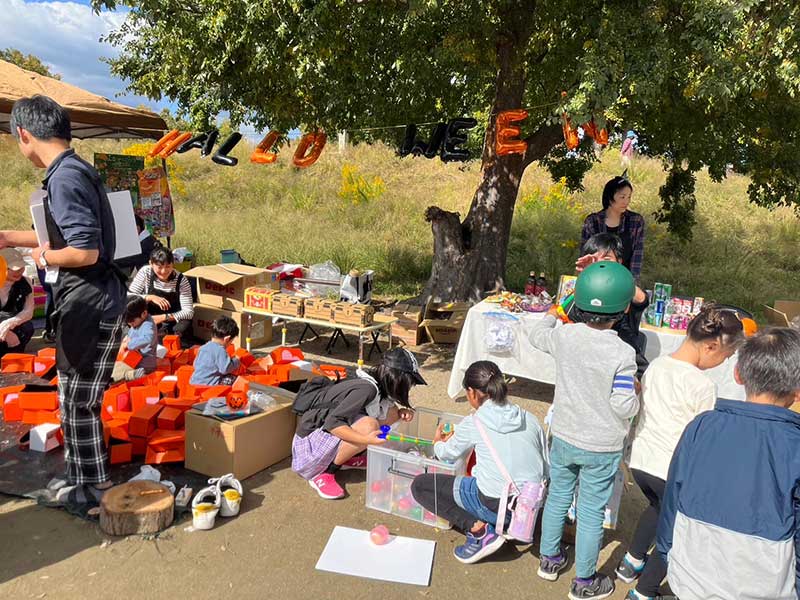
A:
[(79, 296), (174, 297)]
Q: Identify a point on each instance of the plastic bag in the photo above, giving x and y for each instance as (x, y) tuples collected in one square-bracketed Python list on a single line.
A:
[(327, 271), (499, 333), (261, 399)]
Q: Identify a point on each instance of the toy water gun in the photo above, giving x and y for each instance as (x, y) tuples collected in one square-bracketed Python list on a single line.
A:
[(564, 308), (399, 437)]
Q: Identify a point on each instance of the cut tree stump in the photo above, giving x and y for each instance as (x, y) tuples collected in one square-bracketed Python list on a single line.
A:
[(136, 507)]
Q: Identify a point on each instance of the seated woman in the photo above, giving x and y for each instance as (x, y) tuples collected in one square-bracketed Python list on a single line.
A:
[(167, 291), (616, 218), (471, 503), (16, 305)]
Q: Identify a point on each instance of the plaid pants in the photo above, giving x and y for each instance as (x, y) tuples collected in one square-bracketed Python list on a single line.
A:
[(81, 399)]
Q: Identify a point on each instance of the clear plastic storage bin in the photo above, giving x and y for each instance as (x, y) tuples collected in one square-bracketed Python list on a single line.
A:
[(391, 467)]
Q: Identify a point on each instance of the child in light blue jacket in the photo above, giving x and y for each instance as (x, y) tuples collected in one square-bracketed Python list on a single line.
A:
[(471, 503)]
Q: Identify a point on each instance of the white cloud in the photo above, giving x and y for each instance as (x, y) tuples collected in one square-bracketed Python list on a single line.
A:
[(66, 36)]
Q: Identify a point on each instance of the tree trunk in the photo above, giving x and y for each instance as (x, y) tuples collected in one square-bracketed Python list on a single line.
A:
[(136, 507), (469, 257)]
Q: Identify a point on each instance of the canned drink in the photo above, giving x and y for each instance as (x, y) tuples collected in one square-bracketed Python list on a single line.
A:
[(685, 322), (660, 306), (658, 319), (675, 322), (687, 306), (698, 305)]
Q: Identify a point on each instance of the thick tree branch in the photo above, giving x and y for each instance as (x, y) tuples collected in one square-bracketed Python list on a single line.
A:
[(541, 142)]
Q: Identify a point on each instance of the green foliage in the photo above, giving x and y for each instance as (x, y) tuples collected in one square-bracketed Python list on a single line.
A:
[(711, 83), (174, 121), (28, 62), (678, 202)]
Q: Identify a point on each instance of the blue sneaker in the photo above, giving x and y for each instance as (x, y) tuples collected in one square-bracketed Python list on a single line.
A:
[(476, 548), (551, 566), (627, 572)]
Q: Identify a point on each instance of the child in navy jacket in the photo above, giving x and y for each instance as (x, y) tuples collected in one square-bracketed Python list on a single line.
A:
[(729, 518)]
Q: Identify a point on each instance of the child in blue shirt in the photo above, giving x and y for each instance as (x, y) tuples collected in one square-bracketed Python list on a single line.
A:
[(213, 366), (142, 337)]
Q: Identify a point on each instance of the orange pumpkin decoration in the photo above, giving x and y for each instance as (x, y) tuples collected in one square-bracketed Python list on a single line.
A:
[(237, 400), (749, 326), (315, 141), (507, 138), (570, 134), (263, 154), (173, 145), (162, 143)]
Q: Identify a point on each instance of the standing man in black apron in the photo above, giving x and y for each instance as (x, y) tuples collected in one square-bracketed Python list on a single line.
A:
[(88, 289)]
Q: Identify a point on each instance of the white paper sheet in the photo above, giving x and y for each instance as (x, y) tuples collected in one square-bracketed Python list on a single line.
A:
[(401, 560), (40, 227), (124, 225)]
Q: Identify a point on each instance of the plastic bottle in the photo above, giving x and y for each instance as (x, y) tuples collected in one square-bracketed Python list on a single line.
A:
[(530, 285), (541, 284), (523, 520)]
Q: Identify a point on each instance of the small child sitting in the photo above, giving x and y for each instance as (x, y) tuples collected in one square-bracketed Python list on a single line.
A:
[(142, 337), (729, 520), (471, 504), (213, 366), (593, 404)]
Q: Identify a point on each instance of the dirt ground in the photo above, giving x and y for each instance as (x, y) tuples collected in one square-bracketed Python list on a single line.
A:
[(270, 550)]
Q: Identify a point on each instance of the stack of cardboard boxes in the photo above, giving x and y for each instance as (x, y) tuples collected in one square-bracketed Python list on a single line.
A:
[(221, 292)]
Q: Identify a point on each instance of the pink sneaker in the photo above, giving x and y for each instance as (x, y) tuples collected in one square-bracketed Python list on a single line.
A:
[(357, 462), (326, 486)]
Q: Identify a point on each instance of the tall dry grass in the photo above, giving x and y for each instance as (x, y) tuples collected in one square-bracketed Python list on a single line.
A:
[(364, 208)]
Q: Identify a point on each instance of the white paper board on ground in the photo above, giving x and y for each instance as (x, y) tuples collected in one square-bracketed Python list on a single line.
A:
[(44, 438), (124, 225), (401, 560)]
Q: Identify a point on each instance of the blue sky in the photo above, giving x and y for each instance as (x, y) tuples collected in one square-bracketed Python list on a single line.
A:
[(66, 36)]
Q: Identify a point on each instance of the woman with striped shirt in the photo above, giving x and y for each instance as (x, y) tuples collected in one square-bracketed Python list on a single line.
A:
[(167, 292)]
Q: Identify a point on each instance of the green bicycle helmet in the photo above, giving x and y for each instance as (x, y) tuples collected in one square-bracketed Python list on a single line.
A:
[(604, 287)]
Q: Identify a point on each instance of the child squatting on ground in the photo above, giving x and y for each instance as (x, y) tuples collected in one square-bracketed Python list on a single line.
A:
[(674, 391), (593, 404), (142, 337), (339, 420), (213, 365), (471, 504), (729, 518)]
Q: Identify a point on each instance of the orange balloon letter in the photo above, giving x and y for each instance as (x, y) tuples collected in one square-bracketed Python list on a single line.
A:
[(172, 146), (317, 140), (598, 135), (160, 144), (570, 135), (263, 154), (507, 136)]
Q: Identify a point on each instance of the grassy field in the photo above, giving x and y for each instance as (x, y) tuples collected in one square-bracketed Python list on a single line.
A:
[(364, 208)]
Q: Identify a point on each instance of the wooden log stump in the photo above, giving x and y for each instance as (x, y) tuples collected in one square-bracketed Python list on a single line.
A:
[(136, 507)]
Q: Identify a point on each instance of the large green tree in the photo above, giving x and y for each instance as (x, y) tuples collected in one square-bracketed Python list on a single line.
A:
[(706, 84), (27, 61)]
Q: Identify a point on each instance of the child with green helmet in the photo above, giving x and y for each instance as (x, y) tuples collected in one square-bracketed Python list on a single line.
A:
[(593, 405)]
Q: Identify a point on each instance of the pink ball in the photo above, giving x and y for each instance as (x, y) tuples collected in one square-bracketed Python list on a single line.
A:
[(377, 487), (404, 504), (379, 535)]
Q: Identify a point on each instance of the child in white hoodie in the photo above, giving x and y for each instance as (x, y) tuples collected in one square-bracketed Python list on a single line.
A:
[(471, 503)]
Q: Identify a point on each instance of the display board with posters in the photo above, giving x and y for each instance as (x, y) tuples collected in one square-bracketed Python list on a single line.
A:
[(149, 189)]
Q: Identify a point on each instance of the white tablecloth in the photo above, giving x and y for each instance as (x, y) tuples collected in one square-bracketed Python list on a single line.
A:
[(526, 361)]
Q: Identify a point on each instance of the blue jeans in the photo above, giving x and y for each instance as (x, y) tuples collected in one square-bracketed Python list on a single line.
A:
[(596, 472), (465, 493)]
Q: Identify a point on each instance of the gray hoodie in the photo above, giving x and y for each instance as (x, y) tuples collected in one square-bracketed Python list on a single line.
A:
[(517, 438), (594, 398)]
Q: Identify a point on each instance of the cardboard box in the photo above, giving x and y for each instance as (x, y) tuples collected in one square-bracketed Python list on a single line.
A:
[(244, 446), (259, 298), (138, 446), (223, 286), (286, 304), (120, 452), (407, 328), (259, 332), (38, 400), (157, 457), (444, 320), (319, 309), (43, 366), (143, 396), (182, 404), (358, 315), (44, 438), (163, 439), (170, 418), (143, 421), (782, 313), (17, 363), (39, 417)]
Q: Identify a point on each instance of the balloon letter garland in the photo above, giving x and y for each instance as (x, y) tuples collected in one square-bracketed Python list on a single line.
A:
[(221, 155), (210, 141), (454, 137), (507, 137), (263, 154), (570, 134), (195, 142), (162, 143), (302, 160)]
